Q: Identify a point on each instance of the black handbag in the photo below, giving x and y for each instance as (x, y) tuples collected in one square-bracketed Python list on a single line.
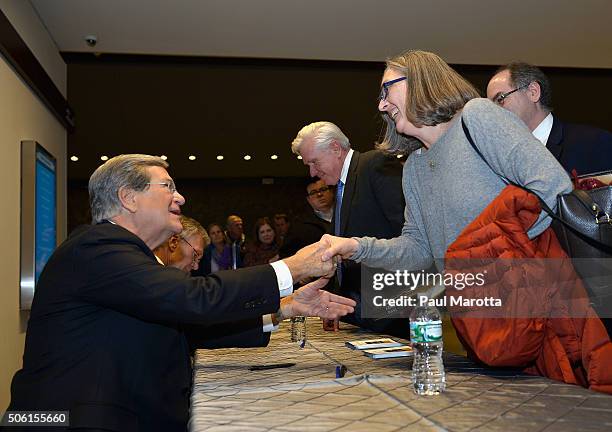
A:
[(584, 228)]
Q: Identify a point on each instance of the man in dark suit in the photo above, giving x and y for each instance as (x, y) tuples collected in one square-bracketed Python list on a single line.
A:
[(369, 202), (106, 338), (525, 90)]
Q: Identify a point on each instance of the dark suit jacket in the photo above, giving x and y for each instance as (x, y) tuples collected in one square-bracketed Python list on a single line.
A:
[(106, 337), (373, 206), (584, 148), (305, 230)]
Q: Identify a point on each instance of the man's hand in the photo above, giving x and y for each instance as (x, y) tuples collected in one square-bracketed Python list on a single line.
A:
[(307, 262), (311, 301), (338, 246)]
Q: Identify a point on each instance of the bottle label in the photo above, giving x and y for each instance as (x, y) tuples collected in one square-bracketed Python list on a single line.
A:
[(429, 331)]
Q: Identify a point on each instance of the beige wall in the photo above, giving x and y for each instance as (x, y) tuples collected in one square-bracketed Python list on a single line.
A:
[(23, 117)]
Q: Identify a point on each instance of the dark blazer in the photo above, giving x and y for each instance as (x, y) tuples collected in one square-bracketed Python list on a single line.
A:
[(373, 206), (304, 230), (584, 148), (107, 338)]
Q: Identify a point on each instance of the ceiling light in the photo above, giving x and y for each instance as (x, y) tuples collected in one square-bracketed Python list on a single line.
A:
[(219, 157), (74, 158), (163, 157), (104, 158), (274, 157), (247, 157), (299, 157), (192, 157)]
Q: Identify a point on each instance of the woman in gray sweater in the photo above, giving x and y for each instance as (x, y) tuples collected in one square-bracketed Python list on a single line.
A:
[(446, 183)]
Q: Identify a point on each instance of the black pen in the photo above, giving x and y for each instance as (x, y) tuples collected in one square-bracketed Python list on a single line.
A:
[(270, 366)]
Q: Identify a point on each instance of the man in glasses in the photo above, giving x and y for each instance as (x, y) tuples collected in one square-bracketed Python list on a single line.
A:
[(321, 198), (184, 250), (106, 337), (309, 227), (369, 199), (525, 90)]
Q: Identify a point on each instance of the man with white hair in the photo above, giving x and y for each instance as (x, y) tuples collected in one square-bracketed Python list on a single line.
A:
[(369, 201), (106, 339)]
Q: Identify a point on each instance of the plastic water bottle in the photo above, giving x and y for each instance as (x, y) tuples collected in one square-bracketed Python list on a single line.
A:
[(298, 330), (428, 376)]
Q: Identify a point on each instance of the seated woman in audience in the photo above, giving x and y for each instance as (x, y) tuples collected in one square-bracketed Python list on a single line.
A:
[(265, 248), (217, 255), (458, 205)]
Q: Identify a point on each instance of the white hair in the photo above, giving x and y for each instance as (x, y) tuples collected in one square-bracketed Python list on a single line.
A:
[(323, 133)]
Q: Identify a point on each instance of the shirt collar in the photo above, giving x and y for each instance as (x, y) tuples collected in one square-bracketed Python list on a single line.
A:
[(542, 132), (345, 166)]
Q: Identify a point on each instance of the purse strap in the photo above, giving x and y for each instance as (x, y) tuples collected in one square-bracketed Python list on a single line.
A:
[(583, 197)]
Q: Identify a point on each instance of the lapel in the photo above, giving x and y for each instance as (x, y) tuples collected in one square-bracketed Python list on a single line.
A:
[(554, 139), (349, 191)]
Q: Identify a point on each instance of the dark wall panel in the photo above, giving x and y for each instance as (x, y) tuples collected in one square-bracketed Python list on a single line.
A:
[(178, 106)]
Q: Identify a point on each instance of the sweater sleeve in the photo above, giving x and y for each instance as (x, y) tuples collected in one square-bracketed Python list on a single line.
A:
[(513, 152), (409, 251)]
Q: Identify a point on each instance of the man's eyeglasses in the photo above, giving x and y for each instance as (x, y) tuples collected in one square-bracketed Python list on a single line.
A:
[(384, 91), (169, 184), (196, 256), (315, 192), (500, 98)]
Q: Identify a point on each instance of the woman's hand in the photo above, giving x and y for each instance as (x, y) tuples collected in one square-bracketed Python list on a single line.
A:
[(338, 246)]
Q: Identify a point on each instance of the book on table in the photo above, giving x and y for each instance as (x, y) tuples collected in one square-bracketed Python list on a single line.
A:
[(373, 343), (400, 351)]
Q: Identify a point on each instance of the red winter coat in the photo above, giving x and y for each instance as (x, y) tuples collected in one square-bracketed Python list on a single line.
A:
[(545, 324)]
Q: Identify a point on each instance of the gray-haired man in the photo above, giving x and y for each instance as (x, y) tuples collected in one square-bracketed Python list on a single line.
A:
[(105, 339)]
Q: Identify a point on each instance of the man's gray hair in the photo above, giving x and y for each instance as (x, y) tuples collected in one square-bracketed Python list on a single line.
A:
[(129, 171), (523, 74), (323, 133), (192, 227)]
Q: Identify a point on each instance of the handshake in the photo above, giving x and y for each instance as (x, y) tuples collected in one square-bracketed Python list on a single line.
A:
[(318, 260)]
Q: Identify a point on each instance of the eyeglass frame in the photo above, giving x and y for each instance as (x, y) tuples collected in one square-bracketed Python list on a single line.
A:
[(196, 255), (170, 185), (315, 192), (500, 98), (384, 89)]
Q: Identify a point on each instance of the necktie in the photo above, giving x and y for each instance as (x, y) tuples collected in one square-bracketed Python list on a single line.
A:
[(339, 191)]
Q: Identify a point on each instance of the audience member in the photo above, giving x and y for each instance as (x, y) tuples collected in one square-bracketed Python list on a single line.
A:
[(237, 239), (369, 202), (281, 226), (105, 337), (264, 248), (525, 90), (310, 227), (217, 255)]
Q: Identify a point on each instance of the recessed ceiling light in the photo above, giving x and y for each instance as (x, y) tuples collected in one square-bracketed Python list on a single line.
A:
[(219, 157), (192, 157), (74, 158), (299, 157), (104, 158), (274, 157), (247, 157)]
